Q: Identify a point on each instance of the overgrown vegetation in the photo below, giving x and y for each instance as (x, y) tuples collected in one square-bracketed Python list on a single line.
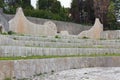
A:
[(85, 37)]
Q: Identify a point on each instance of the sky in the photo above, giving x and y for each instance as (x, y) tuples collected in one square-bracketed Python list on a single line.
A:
[(65, 3)]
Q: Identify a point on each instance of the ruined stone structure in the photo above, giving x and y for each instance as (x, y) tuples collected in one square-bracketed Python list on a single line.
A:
[(20, 24), (65, 45), (3, 22), (94, 32), (72, 28)]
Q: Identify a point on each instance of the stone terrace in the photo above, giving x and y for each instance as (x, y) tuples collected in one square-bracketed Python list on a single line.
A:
[(13, 45)]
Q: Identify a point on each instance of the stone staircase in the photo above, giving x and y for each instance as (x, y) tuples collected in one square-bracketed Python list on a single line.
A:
[(13, 45)]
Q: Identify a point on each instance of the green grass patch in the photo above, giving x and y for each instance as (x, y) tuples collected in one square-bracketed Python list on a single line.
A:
[(65, 56)]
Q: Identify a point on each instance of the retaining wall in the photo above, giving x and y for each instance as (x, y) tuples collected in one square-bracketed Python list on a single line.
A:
[(27, 68)]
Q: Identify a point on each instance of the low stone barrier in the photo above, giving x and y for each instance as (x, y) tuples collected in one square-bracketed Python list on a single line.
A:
[(20, 69), (113, 34)]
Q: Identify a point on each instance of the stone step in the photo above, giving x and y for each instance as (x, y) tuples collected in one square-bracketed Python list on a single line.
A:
[(82, 44), (52, 39), (30, 51), (49, 39)]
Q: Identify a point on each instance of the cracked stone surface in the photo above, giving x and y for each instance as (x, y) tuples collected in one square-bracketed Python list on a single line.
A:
[(85, 74)]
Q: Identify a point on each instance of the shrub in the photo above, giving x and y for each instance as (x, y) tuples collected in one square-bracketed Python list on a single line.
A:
[(85, 37), (57, 37), (4, 33), (11, 32)]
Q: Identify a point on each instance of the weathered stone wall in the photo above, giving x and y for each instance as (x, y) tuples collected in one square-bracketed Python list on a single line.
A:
[(20, 24), (6, 69), (94, 32), (7, 51), (29, 68), (114, 34), (3, 22), (72, 28)]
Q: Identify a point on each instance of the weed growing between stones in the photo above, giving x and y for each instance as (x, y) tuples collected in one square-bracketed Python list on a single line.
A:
[(4, 33), (58, 37), (11, 33), (85, 37), (7, 79), (102, 39)]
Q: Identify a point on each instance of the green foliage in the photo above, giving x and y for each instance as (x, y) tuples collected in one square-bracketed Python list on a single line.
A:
[(7, 79), (1, 3), (11, 32), (85, 37), (58, 37), (46, 14), (111, 18), (55, 8), (75, 11), (4, 33), (50, 5), (12, 6)]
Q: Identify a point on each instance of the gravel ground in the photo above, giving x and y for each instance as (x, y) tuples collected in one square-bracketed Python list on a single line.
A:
[(84, 74)]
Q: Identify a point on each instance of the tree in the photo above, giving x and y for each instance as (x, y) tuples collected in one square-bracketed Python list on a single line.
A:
[(1, 3), (101, 10), (82, 11), (55, 7), (12, 5), (117, 8), (111, 18), (89, 9), (75, 13), (42, 4), (51, 5)]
